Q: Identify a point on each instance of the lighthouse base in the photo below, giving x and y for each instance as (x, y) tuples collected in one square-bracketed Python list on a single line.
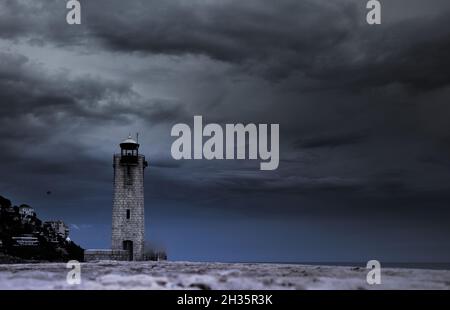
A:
[(106, 254)]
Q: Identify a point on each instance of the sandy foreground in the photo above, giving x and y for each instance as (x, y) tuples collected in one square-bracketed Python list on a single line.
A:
[(187, 275)]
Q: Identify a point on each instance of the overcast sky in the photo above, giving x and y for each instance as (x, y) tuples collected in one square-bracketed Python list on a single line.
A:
[(363, 111)]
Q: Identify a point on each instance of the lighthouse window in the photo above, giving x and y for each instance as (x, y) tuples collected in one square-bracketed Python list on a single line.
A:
[(128, 179), (128, 214)]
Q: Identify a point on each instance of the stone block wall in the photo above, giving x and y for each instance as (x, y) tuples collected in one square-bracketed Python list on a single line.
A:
[(96, 255)]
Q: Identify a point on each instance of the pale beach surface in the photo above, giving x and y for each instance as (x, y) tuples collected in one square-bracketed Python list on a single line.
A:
[(188, 275)]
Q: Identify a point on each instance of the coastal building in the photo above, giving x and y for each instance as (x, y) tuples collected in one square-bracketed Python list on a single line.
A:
[(26, 211), (56, 230), (25, 240)]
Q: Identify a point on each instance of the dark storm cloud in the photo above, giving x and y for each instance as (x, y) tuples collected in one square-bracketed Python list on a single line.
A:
[(332, 140), (328, 44), (292, 184), (37, 22), (28, 90), (231, 31), (40, 111), (313, 44), (325, 42)]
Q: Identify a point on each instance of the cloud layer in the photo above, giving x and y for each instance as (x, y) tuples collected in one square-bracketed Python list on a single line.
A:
[(362, 110)]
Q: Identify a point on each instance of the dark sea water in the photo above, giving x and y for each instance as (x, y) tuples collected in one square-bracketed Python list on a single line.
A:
[(411, 265)]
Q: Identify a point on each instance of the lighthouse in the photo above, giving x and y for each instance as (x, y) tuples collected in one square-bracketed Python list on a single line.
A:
[(128, 231)]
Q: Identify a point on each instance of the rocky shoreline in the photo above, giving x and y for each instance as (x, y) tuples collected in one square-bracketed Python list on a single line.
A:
[(7, 259)]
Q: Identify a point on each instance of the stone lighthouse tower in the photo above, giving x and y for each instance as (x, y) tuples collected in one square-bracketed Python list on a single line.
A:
[(128, 201)]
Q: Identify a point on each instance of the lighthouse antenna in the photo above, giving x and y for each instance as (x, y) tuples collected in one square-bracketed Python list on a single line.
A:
[(137, 137)]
